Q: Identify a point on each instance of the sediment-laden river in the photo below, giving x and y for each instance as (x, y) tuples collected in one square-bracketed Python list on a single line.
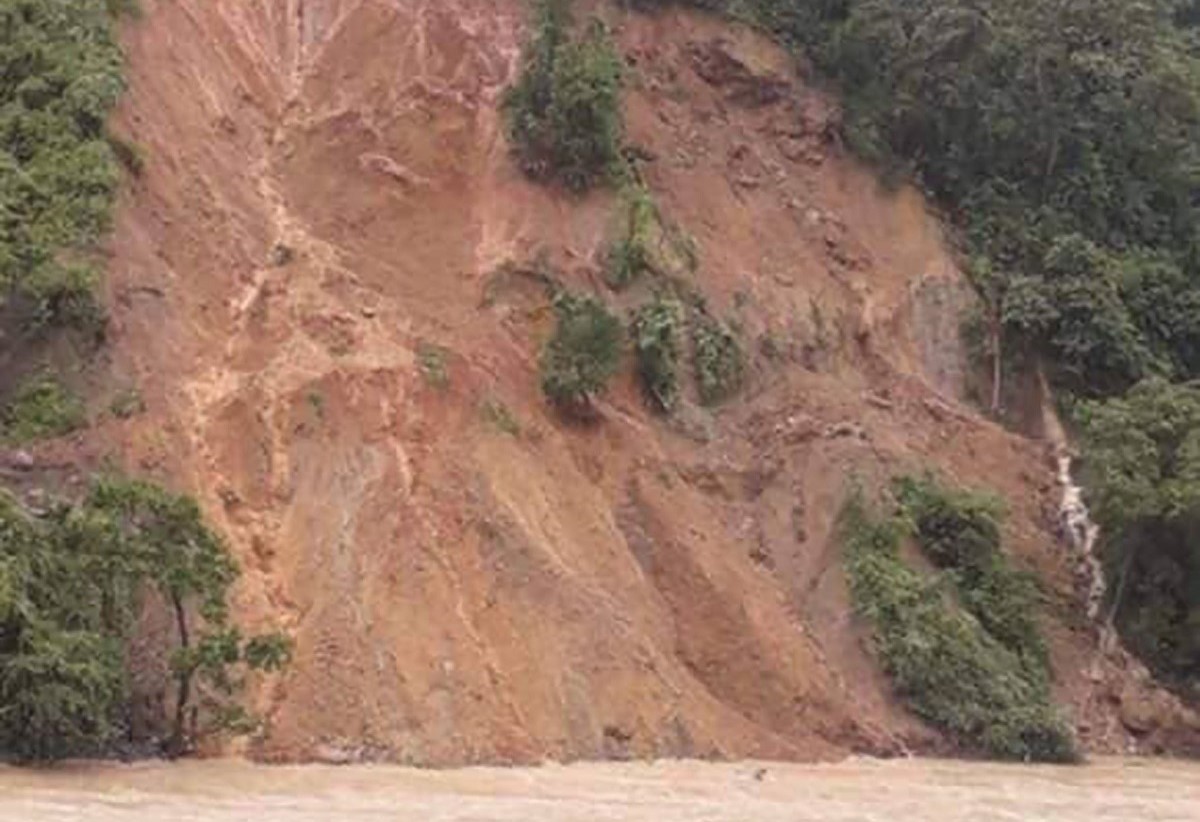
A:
[(859, 790)]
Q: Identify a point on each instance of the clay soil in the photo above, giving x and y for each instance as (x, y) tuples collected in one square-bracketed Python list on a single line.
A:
[(326, 286)]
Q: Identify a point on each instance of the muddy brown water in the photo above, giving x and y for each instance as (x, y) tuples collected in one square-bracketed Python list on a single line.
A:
[(859, 790)]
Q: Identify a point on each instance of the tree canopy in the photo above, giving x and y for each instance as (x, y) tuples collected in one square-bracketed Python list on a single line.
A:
[(60, 74), (564, 111), (583, 354), (1143, 472), (1062, 140), (72, 585)]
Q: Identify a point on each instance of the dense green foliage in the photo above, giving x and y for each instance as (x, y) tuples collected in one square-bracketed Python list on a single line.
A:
[(717, 357), (564, 112), (946, 664), (72, 583), (656, 329), (959, 531), (1063, 140), (583, 353), (61, 673), (40, 407), (60, 73), (1143, 470)]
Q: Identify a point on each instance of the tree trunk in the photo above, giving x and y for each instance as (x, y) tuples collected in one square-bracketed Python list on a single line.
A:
[(183, 695), (1119, 594), (997, 364)]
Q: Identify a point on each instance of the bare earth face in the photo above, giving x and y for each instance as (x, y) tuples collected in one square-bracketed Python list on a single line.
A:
[(859, 790)]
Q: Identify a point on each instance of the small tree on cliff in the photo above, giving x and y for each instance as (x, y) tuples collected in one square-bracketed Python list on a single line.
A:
[(583, 354), (656, 331), (564, 112)]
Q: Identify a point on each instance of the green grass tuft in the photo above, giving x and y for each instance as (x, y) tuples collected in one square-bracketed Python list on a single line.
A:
[(127, 403), (41, 408), (498, 414)]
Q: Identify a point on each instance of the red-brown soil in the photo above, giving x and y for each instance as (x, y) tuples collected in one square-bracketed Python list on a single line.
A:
[(328, 193)]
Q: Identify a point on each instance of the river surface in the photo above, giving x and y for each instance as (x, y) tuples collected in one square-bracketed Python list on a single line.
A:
[(858, 790)]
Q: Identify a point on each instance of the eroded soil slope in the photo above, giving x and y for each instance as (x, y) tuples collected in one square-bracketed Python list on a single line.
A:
[(328, 203)]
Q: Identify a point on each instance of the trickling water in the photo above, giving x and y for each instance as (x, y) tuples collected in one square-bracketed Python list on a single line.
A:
[(1083, 533)]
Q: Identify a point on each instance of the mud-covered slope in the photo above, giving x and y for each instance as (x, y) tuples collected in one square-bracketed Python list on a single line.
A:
[(327, 193)]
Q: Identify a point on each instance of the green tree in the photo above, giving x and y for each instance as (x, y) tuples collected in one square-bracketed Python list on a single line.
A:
[(1097, 345), (564, 112), (71, 582), (583, 354), (61, 668), (1062, 138), (60, 74), (1143, 476), (165, 538)]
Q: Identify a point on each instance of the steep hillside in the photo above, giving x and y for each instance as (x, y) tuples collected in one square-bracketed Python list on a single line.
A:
[(329, 218)]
